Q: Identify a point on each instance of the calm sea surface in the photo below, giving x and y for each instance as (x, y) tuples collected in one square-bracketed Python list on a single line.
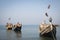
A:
[(28, 32)]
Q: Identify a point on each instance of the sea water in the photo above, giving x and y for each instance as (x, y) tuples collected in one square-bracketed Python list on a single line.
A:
[(28, 32)]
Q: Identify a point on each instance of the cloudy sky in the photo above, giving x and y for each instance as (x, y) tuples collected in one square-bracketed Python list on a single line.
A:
[(28, 12)]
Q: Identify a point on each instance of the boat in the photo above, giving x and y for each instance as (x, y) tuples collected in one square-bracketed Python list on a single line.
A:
[(18, 27), (47, 30), (9, 26)]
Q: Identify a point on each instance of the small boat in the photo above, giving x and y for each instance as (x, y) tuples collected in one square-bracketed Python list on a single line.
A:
[(18, 27), (47, 30), (9, 26)]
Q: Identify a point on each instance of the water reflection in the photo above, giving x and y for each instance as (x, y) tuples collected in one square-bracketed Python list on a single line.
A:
[(12, 35), (18, 34), (9, 34)]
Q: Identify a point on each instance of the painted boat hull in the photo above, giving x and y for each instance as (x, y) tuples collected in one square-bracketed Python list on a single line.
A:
[(9, 29), (17, 29), (49, 33)]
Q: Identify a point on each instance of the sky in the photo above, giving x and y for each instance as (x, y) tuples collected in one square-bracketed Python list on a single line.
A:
[(28, 12)]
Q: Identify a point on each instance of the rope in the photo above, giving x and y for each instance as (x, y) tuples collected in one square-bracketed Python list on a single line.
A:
[(53, 34)]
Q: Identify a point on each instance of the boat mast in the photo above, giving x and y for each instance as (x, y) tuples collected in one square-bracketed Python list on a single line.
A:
[(9, 19)]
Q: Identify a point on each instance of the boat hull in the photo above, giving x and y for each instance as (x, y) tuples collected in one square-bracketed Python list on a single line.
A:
[(17, 29), (9, 26), (49, 32), (52, 33), (9, 29)]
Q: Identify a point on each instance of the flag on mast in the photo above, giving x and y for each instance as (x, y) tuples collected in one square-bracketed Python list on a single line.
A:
[(49, 6), (9, 18), (50, 19), (46, 14)]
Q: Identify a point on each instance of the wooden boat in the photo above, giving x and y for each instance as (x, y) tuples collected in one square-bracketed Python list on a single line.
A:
[(9, 26), (47, 30), (18, 27)]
